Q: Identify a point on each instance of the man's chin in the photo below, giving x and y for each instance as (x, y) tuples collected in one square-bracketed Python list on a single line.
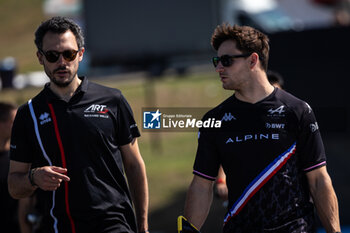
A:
[(226, 87), (61, 83)]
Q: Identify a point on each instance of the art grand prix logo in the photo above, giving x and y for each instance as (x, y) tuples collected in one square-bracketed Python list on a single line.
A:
[(97, 108), (96, 111), (151, 120)]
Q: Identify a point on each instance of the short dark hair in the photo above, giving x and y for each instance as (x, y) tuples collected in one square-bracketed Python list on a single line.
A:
[(5, 110), (275, 77), (58, 25), (248, 40)]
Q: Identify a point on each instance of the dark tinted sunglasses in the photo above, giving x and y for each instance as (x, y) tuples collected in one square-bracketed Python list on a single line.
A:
[(227, 60), (52, 56)]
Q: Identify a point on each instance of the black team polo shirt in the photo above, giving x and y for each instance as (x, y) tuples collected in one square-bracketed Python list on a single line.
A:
[(84, 135)]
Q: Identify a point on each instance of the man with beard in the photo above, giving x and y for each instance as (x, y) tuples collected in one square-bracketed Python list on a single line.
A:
[(269, 146), (72, 143)]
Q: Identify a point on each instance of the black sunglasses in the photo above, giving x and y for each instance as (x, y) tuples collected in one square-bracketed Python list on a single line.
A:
[(52, 55), (227, 60)]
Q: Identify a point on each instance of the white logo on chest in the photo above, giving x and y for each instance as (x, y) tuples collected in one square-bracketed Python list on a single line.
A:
[(97, 108)]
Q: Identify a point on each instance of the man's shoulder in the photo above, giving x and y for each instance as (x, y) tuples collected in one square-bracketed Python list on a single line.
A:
[(38, 99), (292, 102), (289, 99), (104, 91)]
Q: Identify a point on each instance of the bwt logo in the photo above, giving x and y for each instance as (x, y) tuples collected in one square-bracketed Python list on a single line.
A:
[(274, 126), (151, 120)]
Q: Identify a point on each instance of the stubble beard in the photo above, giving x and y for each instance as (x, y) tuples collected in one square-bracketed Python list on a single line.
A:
[(228, 86), (62, 84), (56, 81)]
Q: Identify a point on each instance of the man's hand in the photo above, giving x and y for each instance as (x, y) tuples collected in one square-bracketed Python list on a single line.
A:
[(49, 178)]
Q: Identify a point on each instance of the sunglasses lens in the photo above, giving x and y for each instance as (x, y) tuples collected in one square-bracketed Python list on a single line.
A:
[(216, 61), (52, 56), (226, 61), (69, 55)]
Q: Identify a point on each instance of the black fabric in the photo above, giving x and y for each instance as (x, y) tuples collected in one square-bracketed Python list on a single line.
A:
[(92, 126), (8, 205), (252, 138)]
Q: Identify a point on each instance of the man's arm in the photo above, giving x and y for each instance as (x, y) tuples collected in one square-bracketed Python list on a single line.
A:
[(48, 178), (198, 201), (18, 183), (136, 174), (324, 198)]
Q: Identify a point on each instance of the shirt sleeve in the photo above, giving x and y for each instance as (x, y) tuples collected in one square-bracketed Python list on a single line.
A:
[(310, 144), (127, 127), (207, 163), (23, 138)]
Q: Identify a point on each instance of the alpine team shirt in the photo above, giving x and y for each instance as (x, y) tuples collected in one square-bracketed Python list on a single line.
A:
[(84, 135), (265, 149)]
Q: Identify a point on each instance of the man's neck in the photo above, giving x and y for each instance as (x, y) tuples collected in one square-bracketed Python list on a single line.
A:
[(67, 92), (254, 96), (258, 89)]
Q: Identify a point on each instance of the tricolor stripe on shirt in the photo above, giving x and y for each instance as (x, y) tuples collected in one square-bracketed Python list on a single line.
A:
[(259, 181)]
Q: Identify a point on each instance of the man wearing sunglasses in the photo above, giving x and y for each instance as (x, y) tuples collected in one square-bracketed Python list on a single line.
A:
[(269, 146), (72, 143)]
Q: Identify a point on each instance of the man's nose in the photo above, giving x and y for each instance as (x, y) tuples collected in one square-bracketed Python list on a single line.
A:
[(61, 60), (219, 67)]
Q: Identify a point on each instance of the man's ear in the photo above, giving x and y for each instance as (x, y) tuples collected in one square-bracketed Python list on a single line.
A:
[(81, 54), (254, 60), (40, 57)]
